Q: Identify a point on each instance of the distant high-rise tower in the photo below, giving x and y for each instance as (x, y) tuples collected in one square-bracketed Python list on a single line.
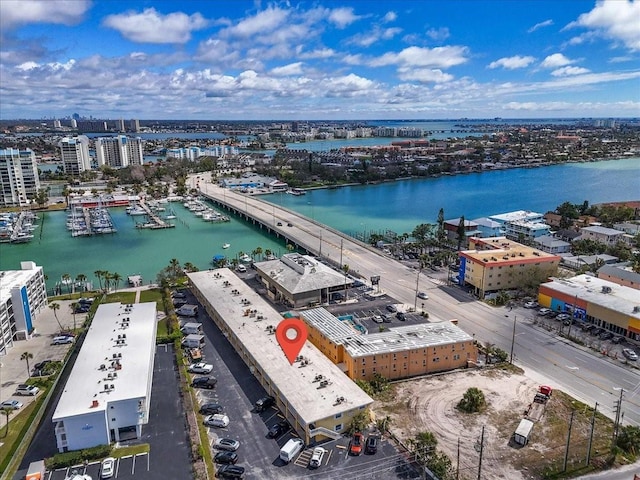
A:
[(76, 116), (75, 154), (120, 151), (120, 125), (134, 125), (74, 123), (57, 124), (19, 182)]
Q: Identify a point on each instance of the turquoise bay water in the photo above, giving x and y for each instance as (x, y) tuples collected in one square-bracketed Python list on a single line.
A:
[(398, 206)]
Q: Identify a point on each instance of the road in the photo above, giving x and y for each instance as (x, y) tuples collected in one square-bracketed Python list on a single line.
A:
[(545, 358)]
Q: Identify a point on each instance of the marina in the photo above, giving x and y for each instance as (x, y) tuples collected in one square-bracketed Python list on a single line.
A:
[(17, 227)]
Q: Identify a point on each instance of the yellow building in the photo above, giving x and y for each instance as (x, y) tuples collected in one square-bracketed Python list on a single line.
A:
[(399, 352), (495, 264)]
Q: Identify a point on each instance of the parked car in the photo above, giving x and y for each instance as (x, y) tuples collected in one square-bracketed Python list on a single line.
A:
[(596, 331), (544, 311), (372, 445), (227, 444), (204, 382), (179, 295), (210, 408), (618, 339), (563, 317), (316, 457), (531, 304), (278, 429), (606, 335), (41, 365), (377, 319), (231, 471), (355, 447), (24, 389), (401, 316), (13, 404), (263, 403), (82, 308), (630, 354), (385, 318), (200, 367), (216, 420), (423, 296), (391, 308), (587, 327), (226, 458), (61, 340), (107, 467)]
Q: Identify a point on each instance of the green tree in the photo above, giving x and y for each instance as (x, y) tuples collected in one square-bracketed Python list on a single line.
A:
[(629, 439), (116, 278), (460, 231), (26, 356), (8, 411), (359, 422), (472, 401), (55, 307), (82, 278), (74, 306), (441, 233)]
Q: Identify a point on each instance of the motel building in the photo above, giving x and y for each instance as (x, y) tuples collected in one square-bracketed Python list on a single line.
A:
[(314, 395), (107, 395)]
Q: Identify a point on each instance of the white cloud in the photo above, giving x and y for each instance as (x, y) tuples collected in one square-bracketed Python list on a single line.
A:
[(151, 26), (267, 20), (546, 23), (369, 38), (438, 34), (20, 12), (556, 60), (53, 66), (285, 70), (565, 71), (342, 17), (620, 59), (512, 63), (424, 75), (390, 17), (318, 53), (614, 19), (439, 57)]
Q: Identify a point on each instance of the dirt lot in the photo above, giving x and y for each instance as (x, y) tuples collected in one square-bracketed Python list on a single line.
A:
[(430, 405)]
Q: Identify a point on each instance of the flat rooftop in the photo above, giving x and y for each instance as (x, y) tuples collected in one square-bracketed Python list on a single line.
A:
[(503, 250), (15, 278), (619, 298), (396, 339), (88, 379), (252, 320), (298, 273), (515, 215)]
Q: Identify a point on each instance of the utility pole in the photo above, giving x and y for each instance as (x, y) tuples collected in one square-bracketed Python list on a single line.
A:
[(618, 410), (320, 243), (513, 339), (341, 253), (415, 301), (458, 461), (593, 423), (566, 450), (481, 449)]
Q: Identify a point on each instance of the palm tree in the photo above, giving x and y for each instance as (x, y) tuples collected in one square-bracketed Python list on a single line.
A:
[(190, 267), (258, 251), (66, 279), (82, 278), (55, 307), (8, 411), (116, 277), (73, 306), (99, 274), (107, 280), (26, 356), (174, 264), (345, 269)]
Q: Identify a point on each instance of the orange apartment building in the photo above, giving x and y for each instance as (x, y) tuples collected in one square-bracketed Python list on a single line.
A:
[(494, 264), (400, 352)]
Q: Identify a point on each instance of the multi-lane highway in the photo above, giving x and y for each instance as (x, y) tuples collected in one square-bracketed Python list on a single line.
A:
[(545, 357)]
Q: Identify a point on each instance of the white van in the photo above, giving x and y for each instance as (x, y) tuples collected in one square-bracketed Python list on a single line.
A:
[(291, 449), (241, 268)]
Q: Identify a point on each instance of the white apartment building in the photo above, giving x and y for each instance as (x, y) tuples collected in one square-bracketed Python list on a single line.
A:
[(607, 236), (74, 152), (194, 152), (19, 182), (120, 151), (23, 294), (108, 393)]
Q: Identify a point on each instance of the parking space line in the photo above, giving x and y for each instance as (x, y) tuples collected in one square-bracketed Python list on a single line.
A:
[(133, 465), (329, 457), (117, 467)]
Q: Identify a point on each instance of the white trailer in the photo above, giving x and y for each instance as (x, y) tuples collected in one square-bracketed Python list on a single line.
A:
[(523, 432)]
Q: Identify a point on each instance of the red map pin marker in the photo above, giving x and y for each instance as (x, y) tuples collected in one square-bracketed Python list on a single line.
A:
[(291, 334)]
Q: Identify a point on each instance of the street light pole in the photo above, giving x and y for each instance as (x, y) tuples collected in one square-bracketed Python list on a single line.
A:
[(415, 298), (513, 339)]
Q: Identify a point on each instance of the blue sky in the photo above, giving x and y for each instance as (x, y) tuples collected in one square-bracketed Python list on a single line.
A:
[(354, 59)]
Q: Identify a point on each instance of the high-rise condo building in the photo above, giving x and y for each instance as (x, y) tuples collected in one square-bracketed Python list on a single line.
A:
[(19, 182), (120, 151), (75, 154)]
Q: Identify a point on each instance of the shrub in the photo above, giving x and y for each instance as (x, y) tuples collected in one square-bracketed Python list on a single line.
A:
[(472, 401), (76, 457)]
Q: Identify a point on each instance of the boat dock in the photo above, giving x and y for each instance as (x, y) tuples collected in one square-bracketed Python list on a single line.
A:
[(155, 222), (87, 221)]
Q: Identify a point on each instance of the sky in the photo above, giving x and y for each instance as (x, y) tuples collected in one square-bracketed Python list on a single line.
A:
[(315, 60)]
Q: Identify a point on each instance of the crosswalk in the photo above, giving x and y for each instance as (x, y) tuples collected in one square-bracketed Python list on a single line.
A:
[(303, 458)]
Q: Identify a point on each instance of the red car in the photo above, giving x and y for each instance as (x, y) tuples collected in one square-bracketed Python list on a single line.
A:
[(356, 444)]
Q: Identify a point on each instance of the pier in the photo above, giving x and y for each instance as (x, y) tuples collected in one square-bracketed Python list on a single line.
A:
[(155, 222)]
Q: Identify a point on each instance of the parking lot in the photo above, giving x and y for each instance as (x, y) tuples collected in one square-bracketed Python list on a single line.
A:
[(237, 390), (126, 468)]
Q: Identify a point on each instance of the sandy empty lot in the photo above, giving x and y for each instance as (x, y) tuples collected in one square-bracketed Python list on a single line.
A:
[(430, 405)]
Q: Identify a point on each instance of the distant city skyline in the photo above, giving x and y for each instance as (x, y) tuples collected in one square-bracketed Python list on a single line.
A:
[(329, 60)]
